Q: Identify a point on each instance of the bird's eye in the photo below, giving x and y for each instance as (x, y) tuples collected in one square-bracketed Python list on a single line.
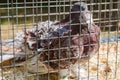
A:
[(83, 8)]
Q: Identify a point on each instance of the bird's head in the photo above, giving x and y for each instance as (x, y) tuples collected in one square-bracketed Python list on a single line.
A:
[(79, 6), (81, 13), (76, 14)]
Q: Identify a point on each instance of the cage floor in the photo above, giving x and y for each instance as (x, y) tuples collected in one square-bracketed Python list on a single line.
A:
[(103, 66)]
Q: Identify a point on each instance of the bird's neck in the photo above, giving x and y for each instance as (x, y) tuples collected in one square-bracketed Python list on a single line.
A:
[(90, 26)]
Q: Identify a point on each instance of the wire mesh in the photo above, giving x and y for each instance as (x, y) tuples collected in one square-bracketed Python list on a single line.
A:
[(18, 17)]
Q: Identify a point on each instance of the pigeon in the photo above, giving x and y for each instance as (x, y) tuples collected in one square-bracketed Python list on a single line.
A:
[(75, 40), (59, 47)]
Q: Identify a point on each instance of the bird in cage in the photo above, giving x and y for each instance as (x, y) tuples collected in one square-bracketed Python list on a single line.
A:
[(63, 43), (69, 42)]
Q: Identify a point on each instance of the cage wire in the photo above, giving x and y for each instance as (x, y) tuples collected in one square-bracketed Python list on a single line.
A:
[(27, 24)]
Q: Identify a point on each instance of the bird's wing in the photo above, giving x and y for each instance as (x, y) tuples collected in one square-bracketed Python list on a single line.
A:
[(91, 39)]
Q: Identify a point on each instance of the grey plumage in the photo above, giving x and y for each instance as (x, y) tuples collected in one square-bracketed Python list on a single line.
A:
[(76, 10)]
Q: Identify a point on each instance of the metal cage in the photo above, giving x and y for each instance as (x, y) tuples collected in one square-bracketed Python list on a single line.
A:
[(18, 16)]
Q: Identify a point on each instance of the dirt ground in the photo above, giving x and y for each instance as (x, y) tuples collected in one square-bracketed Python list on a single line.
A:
[(103, 66)]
